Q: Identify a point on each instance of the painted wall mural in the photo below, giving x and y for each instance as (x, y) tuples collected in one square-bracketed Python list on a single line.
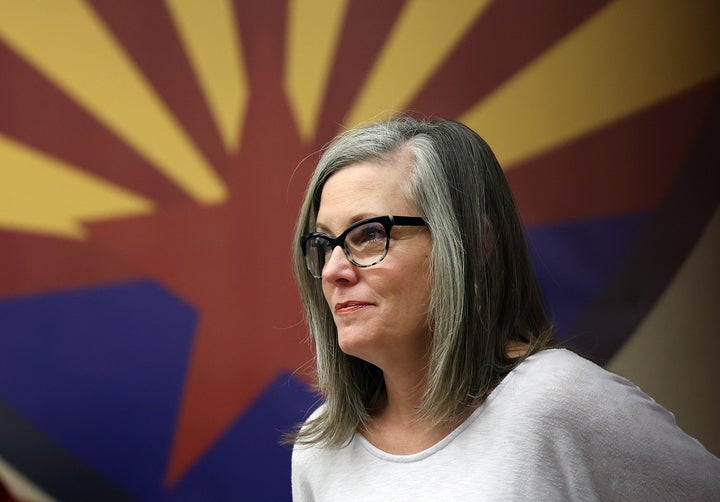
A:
[(153, 156)]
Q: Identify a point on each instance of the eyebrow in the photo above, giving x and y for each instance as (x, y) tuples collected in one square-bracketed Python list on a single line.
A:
[(319, 227)]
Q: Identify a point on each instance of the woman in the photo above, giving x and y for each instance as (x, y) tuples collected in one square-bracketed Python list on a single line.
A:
[(434, 353)]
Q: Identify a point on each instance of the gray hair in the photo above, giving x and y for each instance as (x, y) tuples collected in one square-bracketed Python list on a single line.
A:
[(483, 292)]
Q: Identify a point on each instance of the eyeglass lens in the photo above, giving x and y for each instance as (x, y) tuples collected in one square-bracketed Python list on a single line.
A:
[(364, 246)]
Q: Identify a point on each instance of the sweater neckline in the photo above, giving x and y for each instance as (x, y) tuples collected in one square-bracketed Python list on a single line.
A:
[(444, 442)]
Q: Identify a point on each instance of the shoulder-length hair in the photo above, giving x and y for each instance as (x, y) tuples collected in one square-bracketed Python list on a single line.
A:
[(483, 292)]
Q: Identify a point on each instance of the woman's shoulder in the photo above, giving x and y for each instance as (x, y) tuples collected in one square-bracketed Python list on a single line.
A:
[(302, 451), (608, 422), (315, 413), (577, 397), (561, 382), (312, 415), (557, 366), (560, 362)]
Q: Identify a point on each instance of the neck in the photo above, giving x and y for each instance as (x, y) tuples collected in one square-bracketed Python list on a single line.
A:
[(404, 392), (394, 427)]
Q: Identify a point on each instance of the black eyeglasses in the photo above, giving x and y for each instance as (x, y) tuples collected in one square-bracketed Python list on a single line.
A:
[(365, 242)]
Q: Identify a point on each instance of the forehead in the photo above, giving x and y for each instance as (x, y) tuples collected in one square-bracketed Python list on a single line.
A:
[(363, 190)]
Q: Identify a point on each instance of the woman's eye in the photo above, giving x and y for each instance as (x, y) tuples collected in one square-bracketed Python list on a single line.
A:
[(322, 245), (370, 234)]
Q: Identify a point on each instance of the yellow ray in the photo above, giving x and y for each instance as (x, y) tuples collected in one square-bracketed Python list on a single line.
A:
[(313, 33), (629, 56), (41, 194), (69, 44), (213, 45), (420, 41)]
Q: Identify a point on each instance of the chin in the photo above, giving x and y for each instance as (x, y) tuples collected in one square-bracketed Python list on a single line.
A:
[(354, 345)]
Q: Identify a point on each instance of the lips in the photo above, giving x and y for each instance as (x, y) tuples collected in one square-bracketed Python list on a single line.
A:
[(350, 306)]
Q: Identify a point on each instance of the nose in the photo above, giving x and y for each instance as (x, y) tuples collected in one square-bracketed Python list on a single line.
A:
[(338, 267)]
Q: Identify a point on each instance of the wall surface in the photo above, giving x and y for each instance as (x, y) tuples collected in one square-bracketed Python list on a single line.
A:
[(153, 157)]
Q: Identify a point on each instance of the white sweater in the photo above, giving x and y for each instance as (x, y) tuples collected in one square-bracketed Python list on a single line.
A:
[(558, 427)]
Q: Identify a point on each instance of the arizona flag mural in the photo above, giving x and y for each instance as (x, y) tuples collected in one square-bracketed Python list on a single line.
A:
[(153, 156)]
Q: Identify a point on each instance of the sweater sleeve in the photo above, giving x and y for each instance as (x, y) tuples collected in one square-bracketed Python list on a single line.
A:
[(304, 460), (301, 489), (613, 439)]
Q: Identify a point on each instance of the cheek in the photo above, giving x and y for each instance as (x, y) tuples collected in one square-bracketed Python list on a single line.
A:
[(423, 287), (326, 293), (422, 294), (416, 288)]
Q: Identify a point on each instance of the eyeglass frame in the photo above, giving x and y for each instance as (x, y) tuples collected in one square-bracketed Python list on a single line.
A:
[(388, 222)]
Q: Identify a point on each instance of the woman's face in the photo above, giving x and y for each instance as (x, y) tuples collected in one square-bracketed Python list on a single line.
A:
[(381, 311)]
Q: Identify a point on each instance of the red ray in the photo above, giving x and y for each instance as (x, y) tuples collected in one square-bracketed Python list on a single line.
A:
[(232, 262), (508, 35), (370, 22), (163, 62), (622, 168)]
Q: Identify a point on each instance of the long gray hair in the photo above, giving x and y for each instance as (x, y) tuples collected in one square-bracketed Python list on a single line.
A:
[(483, 291)]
